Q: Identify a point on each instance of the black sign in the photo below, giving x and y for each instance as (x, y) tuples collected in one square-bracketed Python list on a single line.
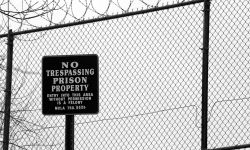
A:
[(70, 85)]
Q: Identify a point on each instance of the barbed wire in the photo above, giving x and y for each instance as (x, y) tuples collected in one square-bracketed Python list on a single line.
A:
[(26, 14)]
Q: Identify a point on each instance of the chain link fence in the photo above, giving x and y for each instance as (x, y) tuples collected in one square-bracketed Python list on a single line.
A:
[(3, 54), (229, 90), (150, 81)]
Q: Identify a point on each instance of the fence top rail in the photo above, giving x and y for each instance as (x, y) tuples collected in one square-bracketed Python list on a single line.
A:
[(153, 9)]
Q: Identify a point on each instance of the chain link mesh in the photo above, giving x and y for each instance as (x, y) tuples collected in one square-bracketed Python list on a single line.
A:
[(3, 55), (150, 81), (229, 81)]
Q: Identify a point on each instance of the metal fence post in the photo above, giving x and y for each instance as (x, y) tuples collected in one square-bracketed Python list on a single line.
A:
[(8, 91), (205, 66), (69, 132)]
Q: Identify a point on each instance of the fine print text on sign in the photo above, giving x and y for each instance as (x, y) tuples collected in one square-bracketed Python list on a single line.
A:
[(70, 85)]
